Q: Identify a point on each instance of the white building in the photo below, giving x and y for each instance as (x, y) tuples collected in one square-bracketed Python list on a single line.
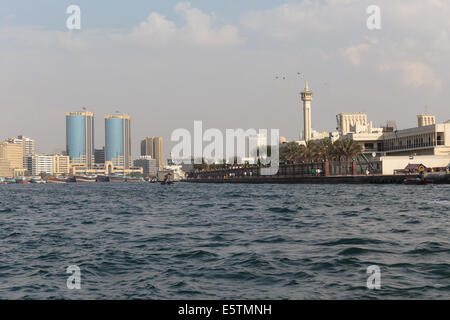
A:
[(390, 164), (356, 127), (429, 138), (38, 164), (175, 171), (28, 144)]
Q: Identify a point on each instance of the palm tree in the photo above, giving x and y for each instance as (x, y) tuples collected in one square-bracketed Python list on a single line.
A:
[(290, 152), (310, 151), (325, 150), (347, 149)]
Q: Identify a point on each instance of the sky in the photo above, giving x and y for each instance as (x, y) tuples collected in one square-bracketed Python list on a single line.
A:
[(169, 63)]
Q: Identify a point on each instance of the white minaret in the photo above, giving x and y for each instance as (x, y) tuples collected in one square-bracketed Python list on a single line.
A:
[(306, 98)]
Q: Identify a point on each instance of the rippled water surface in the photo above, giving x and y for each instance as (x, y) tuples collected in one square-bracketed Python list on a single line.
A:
[(205, 241)]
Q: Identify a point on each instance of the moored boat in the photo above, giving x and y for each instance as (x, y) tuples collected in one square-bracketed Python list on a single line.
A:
[(101, 178), (117, 178), (134, 179), (22, 180), (37, 180), (56, 180), (417, 180), (86, 178)]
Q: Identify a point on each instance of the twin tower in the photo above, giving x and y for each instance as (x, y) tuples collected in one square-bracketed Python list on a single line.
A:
[(80, 139)]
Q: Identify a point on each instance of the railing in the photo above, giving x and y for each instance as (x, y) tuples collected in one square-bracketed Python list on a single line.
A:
[(410, 146), (316, 169)]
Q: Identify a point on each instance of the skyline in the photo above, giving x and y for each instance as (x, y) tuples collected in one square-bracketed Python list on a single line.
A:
[(158, 66)]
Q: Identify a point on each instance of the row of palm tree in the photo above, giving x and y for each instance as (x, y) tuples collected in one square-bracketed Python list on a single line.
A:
[(343, 150), (318, 151)]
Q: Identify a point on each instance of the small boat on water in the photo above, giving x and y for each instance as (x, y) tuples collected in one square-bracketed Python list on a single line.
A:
[(417, 180), (86, 178), (167, 179)]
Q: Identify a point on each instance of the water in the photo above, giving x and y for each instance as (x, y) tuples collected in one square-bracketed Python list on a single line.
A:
[(202, 241)]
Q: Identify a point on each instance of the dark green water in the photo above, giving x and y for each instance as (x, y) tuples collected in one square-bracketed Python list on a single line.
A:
[(194, 241)]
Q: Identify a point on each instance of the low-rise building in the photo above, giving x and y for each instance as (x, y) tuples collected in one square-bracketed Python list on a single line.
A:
[(426, 139), (148, 165), (61, 164), (392, 164), (39, 164), (175, 172)]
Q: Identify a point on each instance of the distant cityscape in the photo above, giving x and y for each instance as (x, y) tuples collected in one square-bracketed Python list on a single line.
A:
[(18, 157), (428, 144)]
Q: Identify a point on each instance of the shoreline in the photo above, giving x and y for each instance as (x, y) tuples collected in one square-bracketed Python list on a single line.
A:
[(359, 179)]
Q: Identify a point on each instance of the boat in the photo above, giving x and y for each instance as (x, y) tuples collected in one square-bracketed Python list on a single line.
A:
[(117, 179), (134, 179), (56, 180), (86, 178), (417, 180), (167, 179), (22, 180), (37, 180), (101, 178)]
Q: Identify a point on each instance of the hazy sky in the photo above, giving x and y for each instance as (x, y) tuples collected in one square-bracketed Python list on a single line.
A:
[(168, 63)]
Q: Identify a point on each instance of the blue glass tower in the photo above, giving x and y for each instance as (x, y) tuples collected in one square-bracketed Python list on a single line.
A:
[(118, 140), (80, 138)]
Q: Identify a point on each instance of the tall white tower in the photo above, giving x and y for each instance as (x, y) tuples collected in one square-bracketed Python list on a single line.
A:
[(306, 98)]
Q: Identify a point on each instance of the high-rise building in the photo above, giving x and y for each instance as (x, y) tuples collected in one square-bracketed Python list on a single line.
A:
[(158, 151), (153, 146), (147, 147), (306, 98), (80, 138), (118, 140), (28, 144), (12, 154)]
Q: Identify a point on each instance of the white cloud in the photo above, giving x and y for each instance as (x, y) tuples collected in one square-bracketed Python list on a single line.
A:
[(198, 29), (353, 53), (415, 74), (169, 72), (156, 29)]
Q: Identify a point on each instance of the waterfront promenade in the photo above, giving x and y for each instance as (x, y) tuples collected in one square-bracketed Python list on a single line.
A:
[(315, 173)]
